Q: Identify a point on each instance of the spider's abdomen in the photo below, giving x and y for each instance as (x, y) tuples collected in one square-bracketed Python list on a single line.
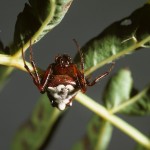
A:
[(61, 89)]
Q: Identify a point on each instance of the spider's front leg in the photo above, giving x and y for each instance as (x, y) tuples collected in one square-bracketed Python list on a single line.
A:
[(101, 76), (40, 83), (81, 55)]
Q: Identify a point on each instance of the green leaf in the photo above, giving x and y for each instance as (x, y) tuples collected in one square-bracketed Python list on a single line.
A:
[(115, 41), (37, 19), (120, 95), (118, 89), (97, 135), (142, 104), (42, 122)]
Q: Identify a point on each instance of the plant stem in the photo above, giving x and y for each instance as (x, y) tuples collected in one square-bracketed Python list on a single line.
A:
[(130, 101), (116, 121), (13, 62)]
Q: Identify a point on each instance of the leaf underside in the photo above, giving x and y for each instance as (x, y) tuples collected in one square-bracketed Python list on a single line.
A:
[(38, 17), (118, 36)]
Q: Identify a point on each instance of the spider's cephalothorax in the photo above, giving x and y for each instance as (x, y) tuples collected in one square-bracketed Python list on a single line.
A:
[(63, 60), (62, 80)]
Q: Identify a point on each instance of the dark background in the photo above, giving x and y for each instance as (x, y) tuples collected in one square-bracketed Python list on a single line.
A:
[(85, 19)]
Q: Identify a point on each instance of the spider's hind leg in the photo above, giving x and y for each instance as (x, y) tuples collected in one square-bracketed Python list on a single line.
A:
[(101, 76)]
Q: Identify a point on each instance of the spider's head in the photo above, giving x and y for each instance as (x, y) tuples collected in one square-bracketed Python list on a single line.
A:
[(63, 60)]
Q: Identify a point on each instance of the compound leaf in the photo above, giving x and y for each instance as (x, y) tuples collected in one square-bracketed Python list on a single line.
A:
[(116, 38), (120, 95), (99, 131), (142, 104)]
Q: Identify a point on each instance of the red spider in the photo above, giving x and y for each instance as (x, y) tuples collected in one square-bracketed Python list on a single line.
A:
[(62, 80)]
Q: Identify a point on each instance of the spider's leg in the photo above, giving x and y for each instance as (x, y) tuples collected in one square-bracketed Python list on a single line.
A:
[(45, 80), (101, 76), (80, 75), (30, 72), (81, 55), (41, 83), (26, 66), (33, 65)]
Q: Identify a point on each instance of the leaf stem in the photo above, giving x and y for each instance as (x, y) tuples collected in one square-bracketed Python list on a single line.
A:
[(130, 101), (116, 121)]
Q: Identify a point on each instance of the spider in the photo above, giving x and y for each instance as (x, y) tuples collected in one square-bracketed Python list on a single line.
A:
[(62, 80)]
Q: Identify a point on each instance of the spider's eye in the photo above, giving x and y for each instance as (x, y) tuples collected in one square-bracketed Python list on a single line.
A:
[(58, 59), (67, 59)]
